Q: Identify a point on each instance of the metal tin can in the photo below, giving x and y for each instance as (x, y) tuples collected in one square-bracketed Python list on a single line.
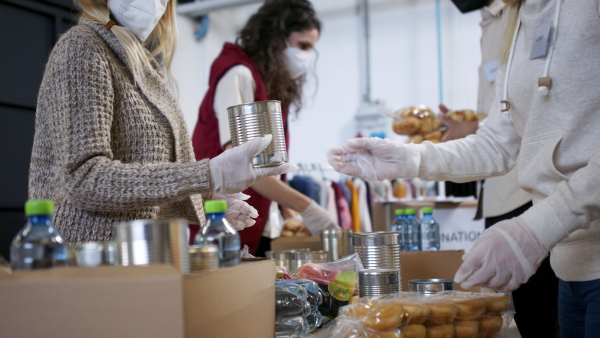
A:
[(337, 242), (430, 286), (147, 242), (250, 121), (376, 282), (378, 250)]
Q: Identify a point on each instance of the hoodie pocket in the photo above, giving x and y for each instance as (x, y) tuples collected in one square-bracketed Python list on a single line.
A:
[(537, 171)]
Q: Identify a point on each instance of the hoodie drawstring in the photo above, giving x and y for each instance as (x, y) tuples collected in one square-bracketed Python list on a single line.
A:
[(544, 82)]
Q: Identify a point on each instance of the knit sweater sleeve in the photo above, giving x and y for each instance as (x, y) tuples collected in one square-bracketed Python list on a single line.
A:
[(79, 100)]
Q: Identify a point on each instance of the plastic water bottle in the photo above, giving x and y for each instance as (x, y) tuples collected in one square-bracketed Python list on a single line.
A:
[(400, 226), (219, 232), (413, 231), (430, 231), (38, 245)]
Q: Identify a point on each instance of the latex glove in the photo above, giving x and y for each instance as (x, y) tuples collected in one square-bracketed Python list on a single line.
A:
[(239, 213), (372, 158), (232, 170), (317, 219), (505, 256)]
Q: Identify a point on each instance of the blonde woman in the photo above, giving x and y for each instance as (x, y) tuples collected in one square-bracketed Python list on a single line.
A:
[(110, 141), (545, 123)]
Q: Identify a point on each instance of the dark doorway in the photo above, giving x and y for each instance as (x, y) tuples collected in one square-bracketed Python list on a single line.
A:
[(28, 30)]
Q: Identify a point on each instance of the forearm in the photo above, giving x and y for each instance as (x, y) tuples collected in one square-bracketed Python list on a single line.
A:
[(104, 185), (274, 189), (492, 151)]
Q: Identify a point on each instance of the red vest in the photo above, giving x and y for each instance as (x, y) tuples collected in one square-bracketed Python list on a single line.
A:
[(206, 134)]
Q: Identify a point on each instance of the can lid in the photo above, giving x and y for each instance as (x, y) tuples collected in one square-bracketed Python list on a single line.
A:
[(399, 212), (427, 210), (215, 206), (410, 211), (39, 207)]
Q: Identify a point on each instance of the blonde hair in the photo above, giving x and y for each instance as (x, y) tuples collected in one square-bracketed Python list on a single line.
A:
[(510, 18), (161, 42)]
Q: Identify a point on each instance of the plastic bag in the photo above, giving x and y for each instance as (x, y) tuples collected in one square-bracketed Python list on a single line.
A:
[(294, 227), (338, 281), (245, 252), (409, 314)]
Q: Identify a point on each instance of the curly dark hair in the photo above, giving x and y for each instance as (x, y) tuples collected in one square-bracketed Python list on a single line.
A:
[(264, 39)]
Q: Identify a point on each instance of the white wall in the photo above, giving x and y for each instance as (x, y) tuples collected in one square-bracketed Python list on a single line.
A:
[(403, 65)]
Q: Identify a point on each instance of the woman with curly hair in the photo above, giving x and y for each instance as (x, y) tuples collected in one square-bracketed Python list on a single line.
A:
[(269, 61)]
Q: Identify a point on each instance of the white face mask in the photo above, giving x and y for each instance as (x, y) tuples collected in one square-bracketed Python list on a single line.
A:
[(298, 61), (141, 16)]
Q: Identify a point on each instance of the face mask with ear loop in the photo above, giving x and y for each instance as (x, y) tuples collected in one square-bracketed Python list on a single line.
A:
[(141, 16), (298, 61)]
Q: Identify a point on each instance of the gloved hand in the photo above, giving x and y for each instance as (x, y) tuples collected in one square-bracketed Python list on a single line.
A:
[(372, 158), (232, 170), (239, 213), (505, 256), (317, 219)]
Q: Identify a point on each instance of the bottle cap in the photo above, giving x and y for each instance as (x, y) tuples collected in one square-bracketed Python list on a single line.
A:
[(215, 206), (39, 207), (427, 210), (399, 212), (410, 211)]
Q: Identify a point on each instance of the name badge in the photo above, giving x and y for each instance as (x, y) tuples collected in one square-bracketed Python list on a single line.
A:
[(541, 40), (490, 70)]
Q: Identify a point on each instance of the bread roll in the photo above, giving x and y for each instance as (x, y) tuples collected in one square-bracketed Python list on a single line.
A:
[(387, 334), (416, 313), (496, 304), (414, 331), (470, 309), (456, 115), (480, 117), (442, 331), (407, 126), (469, 115), (433, 135), (416, 139), (466, 328), (489, 326), (287, 233), (291, 225), (426, 126), (385, 317), (436, 123), (435, 140), (441, 314), (357, 311), (302, 234)]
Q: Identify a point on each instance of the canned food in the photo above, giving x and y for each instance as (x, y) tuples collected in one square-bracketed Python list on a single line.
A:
[(250, 121)]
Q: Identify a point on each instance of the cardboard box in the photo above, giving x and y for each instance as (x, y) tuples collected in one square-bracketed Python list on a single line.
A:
[(154, 301), (430, 264), (290, 243)]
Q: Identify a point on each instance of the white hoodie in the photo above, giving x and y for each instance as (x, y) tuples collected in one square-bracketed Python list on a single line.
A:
[(554, 139)]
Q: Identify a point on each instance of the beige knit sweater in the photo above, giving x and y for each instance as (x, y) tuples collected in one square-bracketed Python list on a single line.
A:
[(106, 150)]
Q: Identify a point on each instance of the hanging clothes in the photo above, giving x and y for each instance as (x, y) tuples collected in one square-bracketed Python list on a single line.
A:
[(354, 206), (305, 185), (344, 216), (364, 215), (331, 204)]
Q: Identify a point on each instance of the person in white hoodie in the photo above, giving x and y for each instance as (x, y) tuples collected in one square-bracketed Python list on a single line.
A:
[(545, 123)]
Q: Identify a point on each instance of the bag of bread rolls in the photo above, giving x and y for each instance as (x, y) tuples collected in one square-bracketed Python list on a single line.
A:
[(419, 123), (414, 315)]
